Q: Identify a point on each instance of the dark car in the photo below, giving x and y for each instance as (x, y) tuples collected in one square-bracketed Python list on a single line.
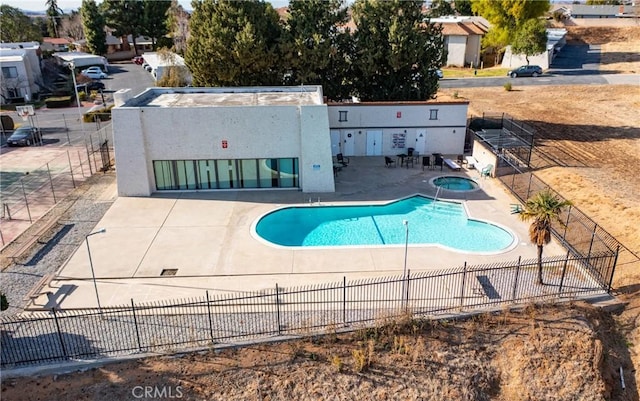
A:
[(525, 71), (91, 86), (25, 136)]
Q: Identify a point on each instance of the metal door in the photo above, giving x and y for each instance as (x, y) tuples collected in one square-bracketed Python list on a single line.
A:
[(374, 143)]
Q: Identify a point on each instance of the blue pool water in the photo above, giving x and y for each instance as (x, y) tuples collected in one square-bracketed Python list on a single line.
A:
[(430, 222), (456, 183)]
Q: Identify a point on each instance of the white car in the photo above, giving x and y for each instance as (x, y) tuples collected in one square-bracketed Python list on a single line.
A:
[(94, 73)]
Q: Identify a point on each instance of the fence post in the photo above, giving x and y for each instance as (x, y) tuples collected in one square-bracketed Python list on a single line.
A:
[(209, 314), (51, 183), (73, 181), (564, 271), (26, 201), (529, 187), (66, 129), (566, 224), (406, 302), (88, 158), (344, 300), (615, 262), (135, 322), (55, 318), (593, 234), (278, 308), (515, 282), (464, 278)]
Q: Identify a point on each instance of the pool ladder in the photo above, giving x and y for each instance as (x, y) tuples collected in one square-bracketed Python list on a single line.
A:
[(436, 197)]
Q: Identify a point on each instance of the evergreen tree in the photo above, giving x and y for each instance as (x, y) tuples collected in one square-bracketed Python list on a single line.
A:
[(125, 17), (396, 52), (234, 43), (463, 7), (93, 26), (154, 21), (316, 47), (15, 26), (54, 14)]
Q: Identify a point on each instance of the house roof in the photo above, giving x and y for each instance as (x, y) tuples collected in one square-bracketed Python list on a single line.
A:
[(56, 41), (465, 28), (597, 10)]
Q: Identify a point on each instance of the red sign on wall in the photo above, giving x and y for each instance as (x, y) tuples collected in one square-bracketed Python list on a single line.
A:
[(398, 114), (224, 144)]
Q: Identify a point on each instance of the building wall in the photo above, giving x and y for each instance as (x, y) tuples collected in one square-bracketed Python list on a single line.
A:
[(444, 134), (456, 50), (142, 135), (472, 55)]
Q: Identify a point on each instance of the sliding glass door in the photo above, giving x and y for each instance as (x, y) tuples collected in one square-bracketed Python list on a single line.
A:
[(226, 174)]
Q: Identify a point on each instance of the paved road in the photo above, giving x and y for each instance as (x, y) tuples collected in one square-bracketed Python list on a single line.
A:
[(574, 65), (63, 126)]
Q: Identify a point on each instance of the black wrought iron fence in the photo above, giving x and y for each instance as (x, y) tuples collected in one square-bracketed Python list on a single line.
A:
[(578, 232), (59, 335)]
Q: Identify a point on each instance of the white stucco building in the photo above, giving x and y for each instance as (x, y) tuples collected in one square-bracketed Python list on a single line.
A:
[(222, 138), (21, 73), (390, 128), (265, 137)]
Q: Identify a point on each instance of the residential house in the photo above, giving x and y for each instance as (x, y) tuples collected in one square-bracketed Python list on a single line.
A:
[(556, 39), (21, 73), (55, 44), (462, 39)]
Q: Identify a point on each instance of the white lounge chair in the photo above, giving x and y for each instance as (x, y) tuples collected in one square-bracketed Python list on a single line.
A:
[(471, 161), (452, 165)]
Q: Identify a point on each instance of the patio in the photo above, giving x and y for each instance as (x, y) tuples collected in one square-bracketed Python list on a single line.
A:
[(206, 237)]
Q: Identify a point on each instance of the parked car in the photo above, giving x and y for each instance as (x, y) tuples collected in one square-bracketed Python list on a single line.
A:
[(525, 71), (94, 73), (91, 86), (24, 136)]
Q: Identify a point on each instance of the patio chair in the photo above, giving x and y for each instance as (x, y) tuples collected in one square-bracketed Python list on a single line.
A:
[(342, 160), (486, 170), (426, 162), (389, 162)]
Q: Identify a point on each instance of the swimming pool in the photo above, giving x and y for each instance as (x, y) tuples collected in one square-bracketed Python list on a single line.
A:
[(454, 183), (430, 222)]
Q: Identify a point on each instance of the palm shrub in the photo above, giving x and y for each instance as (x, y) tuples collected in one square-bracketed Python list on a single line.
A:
[(543, 208)]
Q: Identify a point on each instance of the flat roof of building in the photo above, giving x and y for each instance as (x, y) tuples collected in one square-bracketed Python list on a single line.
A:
[(242, 96)]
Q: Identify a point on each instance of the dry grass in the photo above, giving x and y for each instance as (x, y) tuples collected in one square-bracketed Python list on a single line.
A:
[(537, 354)]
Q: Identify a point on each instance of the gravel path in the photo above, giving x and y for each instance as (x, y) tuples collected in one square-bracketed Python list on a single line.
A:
[(75, 217)]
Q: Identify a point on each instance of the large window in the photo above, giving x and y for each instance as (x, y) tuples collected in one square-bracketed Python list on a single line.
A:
[(9, 72), (226, 174)]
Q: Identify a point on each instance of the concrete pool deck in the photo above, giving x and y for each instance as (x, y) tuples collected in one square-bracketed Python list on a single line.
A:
[(206, 237)]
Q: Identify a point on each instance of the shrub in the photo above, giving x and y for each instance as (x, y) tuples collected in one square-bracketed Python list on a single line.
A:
[(4, 304), (56, 102), (508, 87), (455, 95), (103, 114)]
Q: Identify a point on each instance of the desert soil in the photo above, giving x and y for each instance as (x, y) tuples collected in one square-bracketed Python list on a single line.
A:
[(554, 353)]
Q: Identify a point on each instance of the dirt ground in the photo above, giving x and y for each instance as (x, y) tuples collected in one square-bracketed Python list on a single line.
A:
[(555, 353), (568, 353)]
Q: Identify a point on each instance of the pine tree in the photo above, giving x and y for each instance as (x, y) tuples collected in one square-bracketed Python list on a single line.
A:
[(93, 25), (317, 47), (234, 43), (154, 21), (396, 52), (125, 17), (54, 13), (15, 26)]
